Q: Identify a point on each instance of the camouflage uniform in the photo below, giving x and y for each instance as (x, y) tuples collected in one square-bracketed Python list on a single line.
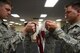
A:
[(72, 37), (52, 43), (8, 40), (27, 46)]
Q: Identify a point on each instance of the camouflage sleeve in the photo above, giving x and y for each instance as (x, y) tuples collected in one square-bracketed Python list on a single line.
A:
[(3, 44), (16, 39), (75, 43), (19, 36), (0, 38), (47, 34), (65, 36)]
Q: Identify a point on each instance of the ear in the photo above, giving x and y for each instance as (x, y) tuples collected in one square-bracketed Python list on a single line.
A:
[(78, 11)]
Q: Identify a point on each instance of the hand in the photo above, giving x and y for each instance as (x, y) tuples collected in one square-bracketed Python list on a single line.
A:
[(30, 27), (50, 25)]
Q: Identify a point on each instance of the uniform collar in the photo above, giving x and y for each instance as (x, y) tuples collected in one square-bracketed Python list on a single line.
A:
[(1, 21), (75, 24)]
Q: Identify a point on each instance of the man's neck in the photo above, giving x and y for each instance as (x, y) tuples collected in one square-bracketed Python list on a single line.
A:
[(76, 20)]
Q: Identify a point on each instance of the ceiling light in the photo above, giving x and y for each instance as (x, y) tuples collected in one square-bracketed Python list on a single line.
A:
[(17, 23), (40, 19), (59, 20), (39, 22), (43, 15), (20, 24), (15, 15), (22, 19), (50, 3), (4, 20), (11, 22), (25, 22)]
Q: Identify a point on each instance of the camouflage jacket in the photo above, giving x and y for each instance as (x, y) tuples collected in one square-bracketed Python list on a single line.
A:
[(52, 43), (72, 37), (8, 40)]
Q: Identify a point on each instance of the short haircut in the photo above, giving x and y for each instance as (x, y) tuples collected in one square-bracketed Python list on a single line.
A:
[(75, 5), (5, 2)]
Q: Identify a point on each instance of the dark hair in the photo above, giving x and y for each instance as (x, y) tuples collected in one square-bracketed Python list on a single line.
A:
[(6, 2), (75, 5)]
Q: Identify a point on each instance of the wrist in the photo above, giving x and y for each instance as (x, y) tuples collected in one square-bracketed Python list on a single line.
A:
[(24, 31)]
